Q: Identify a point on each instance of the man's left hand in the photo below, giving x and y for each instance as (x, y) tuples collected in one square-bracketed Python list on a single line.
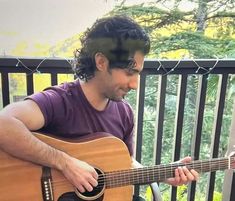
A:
[(183, 175)]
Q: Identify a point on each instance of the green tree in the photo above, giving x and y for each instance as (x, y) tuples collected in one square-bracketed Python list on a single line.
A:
[(204, 31)]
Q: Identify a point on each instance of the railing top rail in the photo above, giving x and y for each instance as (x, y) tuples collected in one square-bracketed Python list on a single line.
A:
[(34, 62), (150, 66), (196, 66), (190, 63)]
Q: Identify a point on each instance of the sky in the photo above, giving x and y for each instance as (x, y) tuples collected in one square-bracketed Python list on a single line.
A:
[(46, 21)]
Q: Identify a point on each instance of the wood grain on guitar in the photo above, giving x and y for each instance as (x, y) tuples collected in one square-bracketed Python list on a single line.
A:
[(24, 181)]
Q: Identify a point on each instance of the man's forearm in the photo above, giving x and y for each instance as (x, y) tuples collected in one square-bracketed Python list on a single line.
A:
[(18, 141)]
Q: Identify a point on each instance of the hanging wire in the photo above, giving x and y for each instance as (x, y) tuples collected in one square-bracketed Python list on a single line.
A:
[(172, 69), (36, 70), (160, 66), (179, 61), (207, 71)]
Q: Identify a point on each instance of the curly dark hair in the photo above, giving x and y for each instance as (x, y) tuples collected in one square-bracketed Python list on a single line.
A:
[(117, 37)]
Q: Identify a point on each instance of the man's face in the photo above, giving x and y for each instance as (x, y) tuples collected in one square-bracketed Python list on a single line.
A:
[(118, 82)]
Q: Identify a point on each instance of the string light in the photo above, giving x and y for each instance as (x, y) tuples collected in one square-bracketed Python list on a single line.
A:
[(20, 62), (179, 61), (207, 71), (160, 66), (17, 64), (36, 70), (172, 69), (210, 69)]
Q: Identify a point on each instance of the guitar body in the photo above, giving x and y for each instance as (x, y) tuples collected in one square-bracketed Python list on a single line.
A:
[(21, 180)]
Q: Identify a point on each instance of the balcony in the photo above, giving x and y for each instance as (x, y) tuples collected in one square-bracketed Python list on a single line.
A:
[(182, 107)]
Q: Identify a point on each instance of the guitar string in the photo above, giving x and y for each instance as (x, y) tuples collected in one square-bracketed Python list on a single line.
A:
[(119, 174), (119, 180), (113, 183), (132, 172), (150, 169)]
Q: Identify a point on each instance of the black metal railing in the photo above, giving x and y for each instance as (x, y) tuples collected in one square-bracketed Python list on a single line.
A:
[(225, 70), (163, 71)]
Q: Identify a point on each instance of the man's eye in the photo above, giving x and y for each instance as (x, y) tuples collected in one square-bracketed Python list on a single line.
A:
[(131, 71)]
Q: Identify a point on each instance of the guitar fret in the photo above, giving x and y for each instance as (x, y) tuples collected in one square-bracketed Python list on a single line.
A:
[(165, 173), (210, 167), (201, 166), (142, 177), (172, 170), (148, 173)]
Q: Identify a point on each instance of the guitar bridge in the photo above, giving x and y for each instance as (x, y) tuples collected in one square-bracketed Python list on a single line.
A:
[(47, 191)]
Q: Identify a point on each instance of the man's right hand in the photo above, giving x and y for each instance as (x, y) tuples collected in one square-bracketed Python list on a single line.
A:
[(79, 173)]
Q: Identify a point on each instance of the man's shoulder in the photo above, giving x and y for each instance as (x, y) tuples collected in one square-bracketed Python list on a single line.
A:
[(65, 89), (65, 86), (55, 93)]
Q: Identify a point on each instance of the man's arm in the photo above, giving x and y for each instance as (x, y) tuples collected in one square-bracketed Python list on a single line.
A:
[(17, 120)]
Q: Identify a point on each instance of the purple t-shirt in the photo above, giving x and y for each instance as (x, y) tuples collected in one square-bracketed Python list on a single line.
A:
[(68, 113)]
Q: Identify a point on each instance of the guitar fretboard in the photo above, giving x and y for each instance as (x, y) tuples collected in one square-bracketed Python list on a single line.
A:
[(147, 175)]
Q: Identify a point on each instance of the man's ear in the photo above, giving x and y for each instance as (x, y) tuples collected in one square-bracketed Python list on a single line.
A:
[(101, 61)]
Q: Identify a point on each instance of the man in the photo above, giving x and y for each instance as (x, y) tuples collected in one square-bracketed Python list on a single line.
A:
[(108, 67)]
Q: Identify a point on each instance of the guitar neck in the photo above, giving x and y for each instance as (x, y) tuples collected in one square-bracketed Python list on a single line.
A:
[(159, 173)]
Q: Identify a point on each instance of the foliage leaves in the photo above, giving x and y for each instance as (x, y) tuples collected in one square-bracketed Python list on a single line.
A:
[(174, 29), (206, 31)]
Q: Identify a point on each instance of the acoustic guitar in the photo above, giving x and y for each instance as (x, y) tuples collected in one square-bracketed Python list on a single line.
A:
[(24, 181)]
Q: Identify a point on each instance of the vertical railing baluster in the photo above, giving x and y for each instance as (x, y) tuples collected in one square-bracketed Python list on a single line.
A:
[(5, 89), (160, 118), (179, 124), (196, 140), (30, 84), (219, 109), (139, 121)]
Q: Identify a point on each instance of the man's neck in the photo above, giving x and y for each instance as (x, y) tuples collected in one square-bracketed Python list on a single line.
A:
[(94, 95)]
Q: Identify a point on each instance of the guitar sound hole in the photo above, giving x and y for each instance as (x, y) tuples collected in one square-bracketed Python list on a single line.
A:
[(97, 191), (69, 196)]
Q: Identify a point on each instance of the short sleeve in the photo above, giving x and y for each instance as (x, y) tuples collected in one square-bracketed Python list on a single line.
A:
[(50, 103)]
